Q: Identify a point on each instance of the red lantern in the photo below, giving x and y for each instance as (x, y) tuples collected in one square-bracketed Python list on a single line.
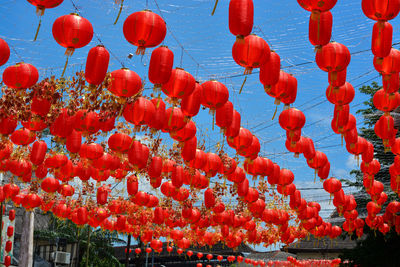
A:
[(11, 215), (144, 29), (292, 119), (31, 201), (180, 84), (317, 5), (340, 95), (381, 10), (382, 36), (50, 185), (7, 260), (214, 94), (155, 167), (38, 152), (241, 16), (388, 65), (74, 142), (190, 104), (252, 53), (224, 115), (160, 68), (66, 190), (270, 71), (8, 125), (63, 125), (4, 52), (23, 137), (209, 198), (333, 57), (158, 121), (96, 65), (188, 151), (8, 246), (20, 76), (41, 5), (91, 151), (337, 78), (124, 83), (386, 102), (132, 185), (138, 155), (72, 31), (140, 112), (87, 122), (320, 28), (175, 120), (186, 133), (119, 142), (233, 129), (284, 90)]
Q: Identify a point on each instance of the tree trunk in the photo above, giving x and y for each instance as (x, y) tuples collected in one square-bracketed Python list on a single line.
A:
[(26, 254)]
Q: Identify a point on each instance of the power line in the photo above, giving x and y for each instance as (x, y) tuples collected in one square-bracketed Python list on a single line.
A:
[(176, 39), (97, 36), (295, 65)]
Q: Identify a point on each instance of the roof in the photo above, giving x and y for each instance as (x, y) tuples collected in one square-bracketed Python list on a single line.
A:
[(325, 244), (217, 249), (270, 255)]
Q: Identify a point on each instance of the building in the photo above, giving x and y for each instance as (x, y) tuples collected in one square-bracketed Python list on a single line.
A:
[(323, 248), (173, 259)]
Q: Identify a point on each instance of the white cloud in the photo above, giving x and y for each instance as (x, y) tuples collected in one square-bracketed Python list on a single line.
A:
[(351, 162)]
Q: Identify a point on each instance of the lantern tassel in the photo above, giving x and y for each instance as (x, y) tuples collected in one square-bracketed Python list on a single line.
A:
[(65, 67), (213, 122), (215, 7), (38, 28), (40, 11), (241, 88), (158, 100), (119, 13), (140, 50), (170, 118), (276, 109)]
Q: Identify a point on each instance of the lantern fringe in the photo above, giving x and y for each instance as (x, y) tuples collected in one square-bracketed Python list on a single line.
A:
[(241, 87), (40, 11), (92, 87), (276, 109), (215, 7), (65, 67), (69, 52), (240, 39), (248, 70), (120, 10), (140, 50), (170, 117), (213, 121), (38, 28)]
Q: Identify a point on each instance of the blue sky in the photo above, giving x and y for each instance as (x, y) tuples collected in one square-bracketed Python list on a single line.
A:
[(207, 44)]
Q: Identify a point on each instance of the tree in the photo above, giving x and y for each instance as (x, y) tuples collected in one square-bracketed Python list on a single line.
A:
[(370, 116), (374, 249), (101, 252)]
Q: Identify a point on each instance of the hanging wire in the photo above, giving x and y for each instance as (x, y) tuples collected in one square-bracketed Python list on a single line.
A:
[(15, 52), (181, 64), (176, 39), (98, 38)]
